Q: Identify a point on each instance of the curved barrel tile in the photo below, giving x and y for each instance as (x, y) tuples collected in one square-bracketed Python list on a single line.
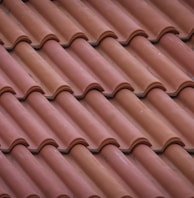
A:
[(126, 132), (83, 174), (41, 71), (58, 21), (184, 21), (35, 29), (94, 28), (185, 100), (14, 78), (135, 179), (59, 126), (150, 19), (156, 131), (129, 66), (36, 173), (10, 133), (94, 169), (160, 65), (70, 68), (179, 52), (14, 181), (95, 133), (163, 175), (99, 67), (121, 24), (69, 172), (10, 33), (70, 122), (24, 128), (180, 161), (176, 118)]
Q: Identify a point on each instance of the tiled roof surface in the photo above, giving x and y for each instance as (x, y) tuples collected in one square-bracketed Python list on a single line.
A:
[(97, 98)]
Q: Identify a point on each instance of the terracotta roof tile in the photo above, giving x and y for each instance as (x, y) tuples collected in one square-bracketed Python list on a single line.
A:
[(96, 98), (91, 20), (82, 174), (13, 78), (50, 81), (182, 22), (174, 115), (182, 56), (72, 70)]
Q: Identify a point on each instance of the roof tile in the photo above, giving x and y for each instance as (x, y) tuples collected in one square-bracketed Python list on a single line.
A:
[(129, 21), (40, 70), (27, 21), (161, 66), (83, 17), (75, 174), (129, 66), (151, 20), (183, 22), (26, 127), (173, 115), (96, 98), (181, 54), (157, 132), (13, 78), (8, 37)]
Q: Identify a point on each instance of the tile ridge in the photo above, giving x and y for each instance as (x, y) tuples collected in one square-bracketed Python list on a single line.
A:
[(18, 141), (151, 86)]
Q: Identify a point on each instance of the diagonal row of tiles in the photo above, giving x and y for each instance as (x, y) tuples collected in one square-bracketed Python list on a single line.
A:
[(112, 104), (96, 121), (39, 21), (108, 68), (110, 173)]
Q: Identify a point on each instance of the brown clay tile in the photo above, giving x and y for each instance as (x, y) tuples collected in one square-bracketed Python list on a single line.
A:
[(77, 69), (40, 70), (68, 122), (60, 126), (156, 131), (10, 133), (180, 160), (27, 130), (13, 78), (69, 172), (99, 67), (161, 66), (163, 175), (184, 21), (121, 24), (10, 33), (5, 86), (95, 133), (83, 174), (129, 66), (29, 22), (14, 180), (70, 68), (135, 179), (150, 19), (47, 184), (94, 28), (171, 113), (127, 134), (185, 100), (179, 51), (60, 22), (95, 170)]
